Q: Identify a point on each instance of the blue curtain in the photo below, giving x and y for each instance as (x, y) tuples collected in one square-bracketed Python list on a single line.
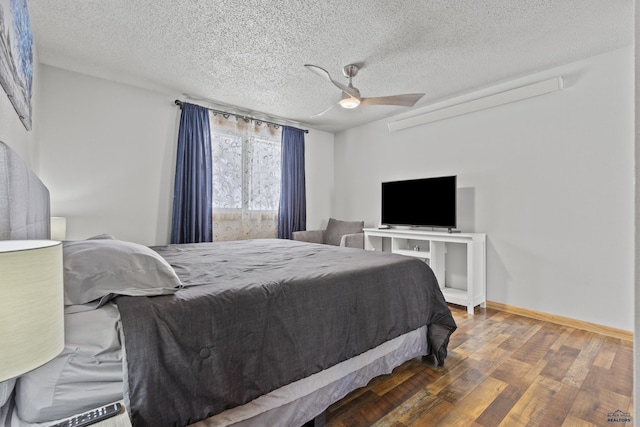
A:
[(192, 200), (293, 201)]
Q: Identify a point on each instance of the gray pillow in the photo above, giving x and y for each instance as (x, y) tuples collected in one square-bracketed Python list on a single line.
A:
[(99, 269), (336, 229), (102, 236)]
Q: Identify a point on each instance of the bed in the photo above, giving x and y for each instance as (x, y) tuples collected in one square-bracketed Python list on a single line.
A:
[(248, 333)]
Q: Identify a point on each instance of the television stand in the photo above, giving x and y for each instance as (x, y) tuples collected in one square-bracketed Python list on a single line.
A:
[(430, 247)]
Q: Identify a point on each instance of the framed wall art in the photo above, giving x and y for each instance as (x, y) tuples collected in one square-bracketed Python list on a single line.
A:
[(16, 56)]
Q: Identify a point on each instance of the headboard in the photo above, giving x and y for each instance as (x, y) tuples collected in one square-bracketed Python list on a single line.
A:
[(24, 212), (24, 200)]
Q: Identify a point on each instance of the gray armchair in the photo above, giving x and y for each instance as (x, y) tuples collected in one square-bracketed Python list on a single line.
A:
[(338, 233)]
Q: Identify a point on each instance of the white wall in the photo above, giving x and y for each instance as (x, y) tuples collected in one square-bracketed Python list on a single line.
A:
[(108, 157), (319, 178), (549, 179), (107, 153)]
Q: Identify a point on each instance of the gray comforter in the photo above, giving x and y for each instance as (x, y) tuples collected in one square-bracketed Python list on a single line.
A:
[(258, 314)]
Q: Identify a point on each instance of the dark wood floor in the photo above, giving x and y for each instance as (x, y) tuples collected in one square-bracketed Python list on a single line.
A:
[(503, 370)]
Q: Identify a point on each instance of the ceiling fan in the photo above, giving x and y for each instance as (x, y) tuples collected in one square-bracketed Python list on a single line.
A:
[(351, 96)]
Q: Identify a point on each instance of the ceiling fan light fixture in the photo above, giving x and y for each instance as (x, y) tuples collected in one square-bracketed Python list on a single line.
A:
[(349, 102), (351, 95)]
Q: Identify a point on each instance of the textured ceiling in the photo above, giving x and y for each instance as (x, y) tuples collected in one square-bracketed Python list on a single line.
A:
[(249, 56)]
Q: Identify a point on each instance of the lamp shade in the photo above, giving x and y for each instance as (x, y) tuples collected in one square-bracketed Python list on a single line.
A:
[(58, 228), (31, 305)]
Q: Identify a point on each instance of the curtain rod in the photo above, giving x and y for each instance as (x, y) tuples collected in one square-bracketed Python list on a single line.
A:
[(179, 103)]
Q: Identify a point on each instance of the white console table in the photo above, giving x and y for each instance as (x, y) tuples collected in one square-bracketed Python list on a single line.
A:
[(430, 246)]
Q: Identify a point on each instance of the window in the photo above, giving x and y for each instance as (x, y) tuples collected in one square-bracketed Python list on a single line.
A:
[(246, 179)]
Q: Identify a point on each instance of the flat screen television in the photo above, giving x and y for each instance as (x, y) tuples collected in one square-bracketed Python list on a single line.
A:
[(425, 202)]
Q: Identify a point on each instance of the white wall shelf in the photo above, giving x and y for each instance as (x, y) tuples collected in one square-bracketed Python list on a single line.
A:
[(430, 247)]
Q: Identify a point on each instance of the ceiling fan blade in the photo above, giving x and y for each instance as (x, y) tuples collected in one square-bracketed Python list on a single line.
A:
[(324, 73), (406, 100), (322, 112)]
